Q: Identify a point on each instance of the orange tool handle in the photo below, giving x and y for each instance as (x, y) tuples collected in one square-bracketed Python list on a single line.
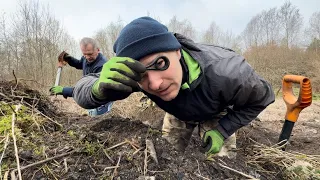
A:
[(295, 105)]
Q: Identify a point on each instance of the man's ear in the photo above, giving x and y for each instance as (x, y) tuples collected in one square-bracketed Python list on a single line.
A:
[(178, 53), (98, 49)]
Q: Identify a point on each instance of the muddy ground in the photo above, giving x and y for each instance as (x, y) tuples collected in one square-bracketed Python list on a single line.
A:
[(90, 141)]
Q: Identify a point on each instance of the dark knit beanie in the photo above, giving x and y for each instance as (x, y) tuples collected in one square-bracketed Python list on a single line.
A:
[(142, 37)]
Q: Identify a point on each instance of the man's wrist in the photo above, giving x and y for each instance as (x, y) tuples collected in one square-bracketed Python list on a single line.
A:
[(95, 91)]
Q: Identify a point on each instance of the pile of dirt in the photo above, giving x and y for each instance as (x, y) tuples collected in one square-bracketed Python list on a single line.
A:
[(114, 148), (14, 93)]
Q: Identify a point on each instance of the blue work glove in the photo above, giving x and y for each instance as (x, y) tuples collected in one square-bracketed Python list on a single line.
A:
[(212, 141)]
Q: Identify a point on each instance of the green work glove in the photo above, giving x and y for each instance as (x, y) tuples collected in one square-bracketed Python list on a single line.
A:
[(212, 141), (118, 79), (56, 90)]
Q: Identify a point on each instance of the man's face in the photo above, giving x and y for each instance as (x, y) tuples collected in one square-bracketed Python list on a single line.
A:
[(164, 84), (89, 52)]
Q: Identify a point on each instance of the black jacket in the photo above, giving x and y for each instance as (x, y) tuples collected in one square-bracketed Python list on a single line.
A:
[(223, 79)]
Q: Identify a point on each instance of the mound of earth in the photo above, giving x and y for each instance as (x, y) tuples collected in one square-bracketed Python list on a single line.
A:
[(114, 148)]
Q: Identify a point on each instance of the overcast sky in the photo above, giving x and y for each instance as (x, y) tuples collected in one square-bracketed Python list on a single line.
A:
[(82, 18)]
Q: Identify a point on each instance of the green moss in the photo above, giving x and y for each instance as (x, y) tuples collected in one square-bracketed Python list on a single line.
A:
[(5, 124), (4, 167), (153, 131), (91, 148), (40, 150), (71, 134)]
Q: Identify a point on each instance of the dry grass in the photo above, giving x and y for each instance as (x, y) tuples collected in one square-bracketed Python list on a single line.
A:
[(294, 165), (272, 62)]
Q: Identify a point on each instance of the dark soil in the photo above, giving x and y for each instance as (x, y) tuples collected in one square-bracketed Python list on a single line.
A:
[(90, 138)]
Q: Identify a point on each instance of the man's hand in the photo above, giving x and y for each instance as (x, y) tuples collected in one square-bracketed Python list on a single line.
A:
[(212, 141), (118, 79), (56, 90), (63, 58)]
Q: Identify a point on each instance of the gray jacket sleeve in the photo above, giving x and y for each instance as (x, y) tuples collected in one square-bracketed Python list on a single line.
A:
[(240, 87), (82, 92)]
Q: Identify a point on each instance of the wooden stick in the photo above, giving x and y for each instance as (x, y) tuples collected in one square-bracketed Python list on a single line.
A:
[(43, 161), (110, 167), (136, 151), (115, 170), (241, 173), (16, 80), (150, 147), (200, 176), (15, 140), (105, 152), (65, 164), (145, 167), (4, 150), (122, 143), (133, 145)]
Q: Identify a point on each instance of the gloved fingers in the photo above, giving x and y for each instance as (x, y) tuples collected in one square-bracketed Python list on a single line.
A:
[(136, 66), (119, 77), (206, 144), (115, 87), (127, 71)]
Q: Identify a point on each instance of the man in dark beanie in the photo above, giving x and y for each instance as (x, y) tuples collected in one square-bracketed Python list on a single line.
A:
[(207, 86)]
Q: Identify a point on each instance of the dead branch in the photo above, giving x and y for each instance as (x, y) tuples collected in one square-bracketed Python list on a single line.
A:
[(120, 144), (41, 162), (109, 167), (200, 176), (4, 150), (43, 114), (236, 171), (115, 170), (136, 151), (16, 80), (22, 79), (65, 164), (150, 147), (15, 140), (105, 152), (145, 167), (92, 168), (133, 145)]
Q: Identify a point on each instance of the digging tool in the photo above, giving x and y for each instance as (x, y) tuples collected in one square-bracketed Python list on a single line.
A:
[(58, 76), (294, 105)]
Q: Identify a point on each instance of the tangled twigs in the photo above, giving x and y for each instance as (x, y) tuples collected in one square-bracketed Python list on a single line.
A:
[(40, 162), (50, 119), (274, 156)]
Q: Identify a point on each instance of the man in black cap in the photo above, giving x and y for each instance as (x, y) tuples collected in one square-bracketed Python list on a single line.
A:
[(207, 86)]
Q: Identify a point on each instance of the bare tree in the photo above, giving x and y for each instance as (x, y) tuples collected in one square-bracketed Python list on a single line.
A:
[(31, 41), (270, 25), (213, 34), (183, 27), (106, 37), (314, 23), (291, 21), (252, 34)]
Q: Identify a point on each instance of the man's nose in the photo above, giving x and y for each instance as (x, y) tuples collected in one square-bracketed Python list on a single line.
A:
[(154, 80)]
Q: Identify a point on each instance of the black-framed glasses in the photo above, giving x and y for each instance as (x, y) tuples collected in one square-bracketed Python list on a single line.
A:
[(161, 63)]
